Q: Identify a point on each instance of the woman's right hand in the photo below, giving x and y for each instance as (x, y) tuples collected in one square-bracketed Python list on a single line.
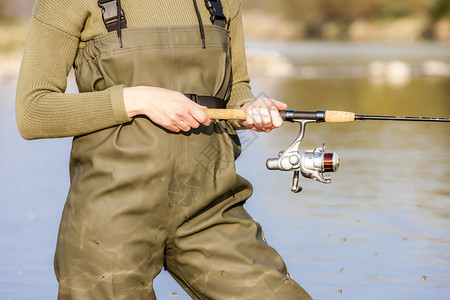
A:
[(170, 109)]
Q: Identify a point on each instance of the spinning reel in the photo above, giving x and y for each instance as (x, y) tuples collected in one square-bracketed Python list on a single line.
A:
[(311, 164)]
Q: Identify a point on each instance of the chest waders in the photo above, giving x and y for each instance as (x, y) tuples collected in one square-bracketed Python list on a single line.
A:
[(143, 198)]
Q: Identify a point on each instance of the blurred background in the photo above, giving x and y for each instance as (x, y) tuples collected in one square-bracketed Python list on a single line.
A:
[(350, 19), (381, 229)]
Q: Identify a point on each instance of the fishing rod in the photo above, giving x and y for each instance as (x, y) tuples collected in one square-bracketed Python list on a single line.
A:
[(329, 116), (316, 162)]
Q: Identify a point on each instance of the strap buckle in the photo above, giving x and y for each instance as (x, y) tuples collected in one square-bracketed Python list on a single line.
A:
[(109, 14), (216, 10)]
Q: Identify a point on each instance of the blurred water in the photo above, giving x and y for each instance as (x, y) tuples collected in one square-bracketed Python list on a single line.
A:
[(381, 229)]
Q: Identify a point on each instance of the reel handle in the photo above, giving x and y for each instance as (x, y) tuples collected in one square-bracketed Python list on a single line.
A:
[(295, 188)]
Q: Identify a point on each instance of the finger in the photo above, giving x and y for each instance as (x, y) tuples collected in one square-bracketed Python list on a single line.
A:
[(190, 121), (183, 126), (200, 116), (188, 118), (277, 121), (172, 128), (262, 118), (266, 118), (280, 105), (249, 121), (275, 103), (257, 120)]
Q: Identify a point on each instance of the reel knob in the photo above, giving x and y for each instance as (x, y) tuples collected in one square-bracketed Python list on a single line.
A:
[(294, 159), (272, 164)]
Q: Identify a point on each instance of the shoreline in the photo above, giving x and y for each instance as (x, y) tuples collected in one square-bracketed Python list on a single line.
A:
[(263, 25), (272, 51), (323, 59)]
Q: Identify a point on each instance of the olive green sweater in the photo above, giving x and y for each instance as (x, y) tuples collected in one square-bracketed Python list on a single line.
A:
[(43, 110)]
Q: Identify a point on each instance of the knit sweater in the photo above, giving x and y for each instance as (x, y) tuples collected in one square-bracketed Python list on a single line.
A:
[(58, 27)]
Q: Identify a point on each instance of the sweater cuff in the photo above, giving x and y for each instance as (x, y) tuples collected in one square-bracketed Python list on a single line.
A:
[(239, 96), (117, 104)]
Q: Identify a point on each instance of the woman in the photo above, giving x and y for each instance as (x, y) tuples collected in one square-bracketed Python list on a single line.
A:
[(153, 182)]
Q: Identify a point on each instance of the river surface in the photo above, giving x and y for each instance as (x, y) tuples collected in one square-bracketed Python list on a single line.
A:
[(380, 230)]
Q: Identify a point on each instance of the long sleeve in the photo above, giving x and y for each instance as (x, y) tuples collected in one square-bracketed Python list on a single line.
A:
[(43, 110), (241, 90)]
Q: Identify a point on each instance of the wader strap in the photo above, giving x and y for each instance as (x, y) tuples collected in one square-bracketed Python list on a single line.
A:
[(209, 102), (110, 13), (217, 17), (216, 11)]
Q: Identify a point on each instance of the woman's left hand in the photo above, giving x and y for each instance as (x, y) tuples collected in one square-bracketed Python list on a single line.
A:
[(263, 114)]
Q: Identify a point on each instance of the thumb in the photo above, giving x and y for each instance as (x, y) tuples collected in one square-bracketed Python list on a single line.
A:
[(278, 105)]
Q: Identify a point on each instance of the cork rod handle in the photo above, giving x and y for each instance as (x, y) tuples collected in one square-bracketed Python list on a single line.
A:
[(333, 116), (226, 114)]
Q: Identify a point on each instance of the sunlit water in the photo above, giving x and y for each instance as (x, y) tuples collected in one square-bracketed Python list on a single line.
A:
[(381, 229)]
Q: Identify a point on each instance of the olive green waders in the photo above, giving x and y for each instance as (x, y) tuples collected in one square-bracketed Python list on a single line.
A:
[(143, 198)]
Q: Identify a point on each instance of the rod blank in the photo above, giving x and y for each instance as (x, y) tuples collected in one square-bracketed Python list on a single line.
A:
[(398, 118)]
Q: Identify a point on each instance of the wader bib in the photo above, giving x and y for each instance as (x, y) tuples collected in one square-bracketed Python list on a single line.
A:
[(143, 198)]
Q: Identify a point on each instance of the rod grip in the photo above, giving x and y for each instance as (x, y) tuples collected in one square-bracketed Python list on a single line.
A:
[(333, 116), (226, 114)]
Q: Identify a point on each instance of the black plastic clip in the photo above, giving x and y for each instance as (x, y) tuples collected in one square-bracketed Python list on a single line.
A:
[(109, 14), (216, 10)]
